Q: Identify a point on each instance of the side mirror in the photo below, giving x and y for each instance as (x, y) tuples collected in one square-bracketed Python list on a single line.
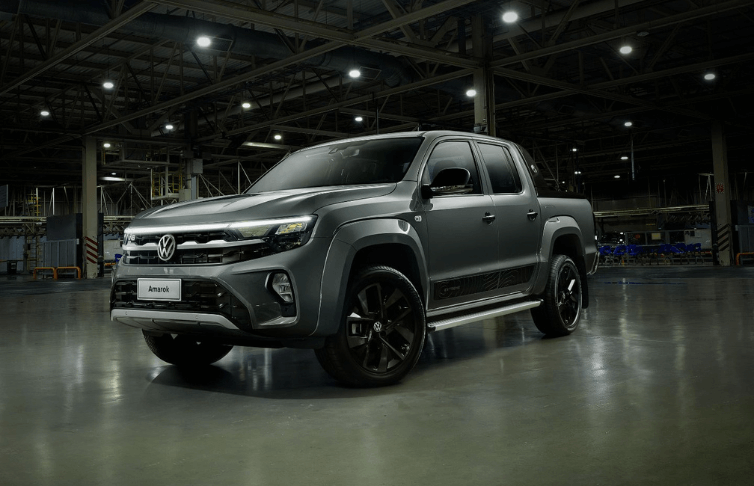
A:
[(454, 180)]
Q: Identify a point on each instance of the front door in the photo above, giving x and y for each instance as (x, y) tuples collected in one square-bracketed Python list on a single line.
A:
[(462, 244)]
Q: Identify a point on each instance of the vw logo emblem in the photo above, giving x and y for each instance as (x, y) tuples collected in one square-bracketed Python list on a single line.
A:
[(166, 248)]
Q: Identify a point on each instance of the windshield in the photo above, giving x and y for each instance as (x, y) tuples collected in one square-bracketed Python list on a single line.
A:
[(356, 162)]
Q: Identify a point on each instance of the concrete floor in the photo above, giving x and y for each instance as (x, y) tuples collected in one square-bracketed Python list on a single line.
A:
[(656, 387)]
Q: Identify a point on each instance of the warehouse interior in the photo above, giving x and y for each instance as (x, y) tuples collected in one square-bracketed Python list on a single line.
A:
[(111, 107)]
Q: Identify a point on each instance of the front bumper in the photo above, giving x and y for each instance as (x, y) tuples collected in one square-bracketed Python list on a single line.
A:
[(232, 300)]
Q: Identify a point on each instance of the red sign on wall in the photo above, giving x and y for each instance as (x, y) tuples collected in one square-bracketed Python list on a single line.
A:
[(720, 188)]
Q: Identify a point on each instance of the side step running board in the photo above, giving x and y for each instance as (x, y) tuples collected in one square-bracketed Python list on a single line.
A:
[(440, 324)]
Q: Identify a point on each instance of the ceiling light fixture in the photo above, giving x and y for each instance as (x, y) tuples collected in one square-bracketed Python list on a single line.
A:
[(626, 49), (358, 119), (245, 105), (710, 76), (169, 126), (354, 73), (45, 112), (624, 157), (616, 176), (278, 136), (203, 41), (578, 172), (510, 16), (628, 124), (108, 85), (471, 93), (574, 149), (106, 145)]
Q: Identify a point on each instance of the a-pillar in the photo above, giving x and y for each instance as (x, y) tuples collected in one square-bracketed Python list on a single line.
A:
[(484, 83), (722, 194), (89, 218)]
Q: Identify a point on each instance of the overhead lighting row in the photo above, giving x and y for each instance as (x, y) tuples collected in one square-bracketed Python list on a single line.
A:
[(508, 17), (511, 16)]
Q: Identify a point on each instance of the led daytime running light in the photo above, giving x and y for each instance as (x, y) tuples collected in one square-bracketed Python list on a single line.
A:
[(216, 226)]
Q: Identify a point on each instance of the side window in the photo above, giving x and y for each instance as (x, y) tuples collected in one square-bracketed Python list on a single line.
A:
[(450, 155), (503, 173)]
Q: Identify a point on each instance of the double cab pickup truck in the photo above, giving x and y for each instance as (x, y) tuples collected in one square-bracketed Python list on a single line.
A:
[(357, 249)]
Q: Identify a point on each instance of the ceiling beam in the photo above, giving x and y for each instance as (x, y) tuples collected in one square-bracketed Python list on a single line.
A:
[(360, 38), (596, 87), (98, 34), (309, 131), (717, 8), (350, 102), (229, 82), (571, 88)]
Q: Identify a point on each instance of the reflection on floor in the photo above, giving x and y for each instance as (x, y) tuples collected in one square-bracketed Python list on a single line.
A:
[(655, 387)]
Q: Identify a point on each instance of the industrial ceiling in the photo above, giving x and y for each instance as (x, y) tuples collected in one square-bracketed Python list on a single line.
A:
[(275, 77)]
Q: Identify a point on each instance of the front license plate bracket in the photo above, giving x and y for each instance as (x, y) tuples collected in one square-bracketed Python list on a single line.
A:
[(159, 289)]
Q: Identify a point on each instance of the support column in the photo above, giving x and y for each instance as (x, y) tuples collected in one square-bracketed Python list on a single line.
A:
[(722, 195), (484, 82), (89, 218)]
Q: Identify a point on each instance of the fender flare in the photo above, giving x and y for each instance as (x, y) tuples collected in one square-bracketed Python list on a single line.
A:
[(348, 240), (554, 228)]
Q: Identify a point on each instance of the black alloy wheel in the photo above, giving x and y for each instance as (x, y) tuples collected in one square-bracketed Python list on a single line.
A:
[(382, 332), (560, 311), (569, 295), (380, 328)]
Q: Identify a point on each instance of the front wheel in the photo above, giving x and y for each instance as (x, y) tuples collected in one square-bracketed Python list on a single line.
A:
[(381, 333), (561, 302), (186, 351)]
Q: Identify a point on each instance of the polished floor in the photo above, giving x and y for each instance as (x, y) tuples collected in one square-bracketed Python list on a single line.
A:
[(656, 387)]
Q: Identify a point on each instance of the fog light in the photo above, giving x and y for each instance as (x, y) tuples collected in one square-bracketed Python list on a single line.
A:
[(281, 285)]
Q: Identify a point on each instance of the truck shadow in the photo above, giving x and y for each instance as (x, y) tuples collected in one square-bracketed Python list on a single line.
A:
[(296, 374)]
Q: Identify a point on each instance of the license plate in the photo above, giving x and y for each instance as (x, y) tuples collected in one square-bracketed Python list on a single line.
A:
[(158, 289)]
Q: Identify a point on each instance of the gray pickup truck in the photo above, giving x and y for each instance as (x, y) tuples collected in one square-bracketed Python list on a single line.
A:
[(357, 249)]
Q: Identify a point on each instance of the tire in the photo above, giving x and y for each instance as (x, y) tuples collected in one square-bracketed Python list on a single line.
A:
[(186, 351), (382, 330), (560, 311)]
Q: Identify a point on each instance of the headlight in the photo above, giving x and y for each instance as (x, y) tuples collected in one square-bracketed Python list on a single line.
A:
[(282, 234)]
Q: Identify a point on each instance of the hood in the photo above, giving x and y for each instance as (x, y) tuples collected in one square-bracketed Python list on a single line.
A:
[(267, 205)]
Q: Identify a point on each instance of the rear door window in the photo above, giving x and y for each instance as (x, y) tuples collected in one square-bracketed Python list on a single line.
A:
[(503, 174)]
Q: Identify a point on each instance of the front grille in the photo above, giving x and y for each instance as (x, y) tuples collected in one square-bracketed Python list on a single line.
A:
[(199, 256), (204, 296), (180, 238)]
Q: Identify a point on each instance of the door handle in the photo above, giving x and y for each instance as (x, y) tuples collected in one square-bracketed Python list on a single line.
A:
[(532, 215), (488, 218)]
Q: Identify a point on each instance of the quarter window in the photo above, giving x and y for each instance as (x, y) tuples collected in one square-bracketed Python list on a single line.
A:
[(503, 173), (452, 155)]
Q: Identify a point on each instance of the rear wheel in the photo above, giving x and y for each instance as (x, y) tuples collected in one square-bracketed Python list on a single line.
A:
[(381, 333), (186, 351), (561, 302)]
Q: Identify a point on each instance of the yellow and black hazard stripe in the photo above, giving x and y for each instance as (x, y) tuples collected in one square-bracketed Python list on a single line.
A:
[(723, 237)]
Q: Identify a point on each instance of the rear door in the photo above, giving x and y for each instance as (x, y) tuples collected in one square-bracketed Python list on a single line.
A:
[(517, 220)]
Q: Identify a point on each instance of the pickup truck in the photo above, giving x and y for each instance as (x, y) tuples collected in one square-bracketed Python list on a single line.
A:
[(357, 249)]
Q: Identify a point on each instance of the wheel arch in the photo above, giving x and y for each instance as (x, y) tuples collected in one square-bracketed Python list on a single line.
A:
[(562, 236), (390, 242)]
